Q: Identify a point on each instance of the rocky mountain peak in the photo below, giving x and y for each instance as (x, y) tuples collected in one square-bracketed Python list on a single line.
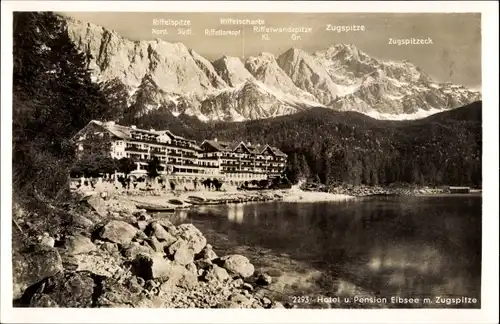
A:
[(231, 70), (158, 73)]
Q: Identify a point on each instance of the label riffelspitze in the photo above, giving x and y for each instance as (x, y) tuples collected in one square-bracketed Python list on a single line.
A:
[(171, 22)]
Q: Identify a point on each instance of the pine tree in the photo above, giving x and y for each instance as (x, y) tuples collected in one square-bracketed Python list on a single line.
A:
[(126, 165), (153, 168), (116, 96), (304, 170), (53, 98)]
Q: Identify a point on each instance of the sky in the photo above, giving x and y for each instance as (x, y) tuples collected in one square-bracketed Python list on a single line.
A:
[(452, 52)]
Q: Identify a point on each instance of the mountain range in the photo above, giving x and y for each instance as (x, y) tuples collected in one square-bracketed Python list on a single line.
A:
[(162, 75)]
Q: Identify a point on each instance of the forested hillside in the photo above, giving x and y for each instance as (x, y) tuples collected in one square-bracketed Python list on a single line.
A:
[(53, 97), (349, 147)]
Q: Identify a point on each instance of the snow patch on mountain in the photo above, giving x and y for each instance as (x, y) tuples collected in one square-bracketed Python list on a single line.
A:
[(232, 70), (163, 75), (419, 114), (249, 100), (170, 65), (308, 75), (265, 69)]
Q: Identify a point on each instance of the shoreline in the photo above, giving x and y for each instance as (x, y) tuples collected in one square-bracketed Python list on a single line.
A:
[(389, 191), (168, 201), (171, 201), (184, 200)]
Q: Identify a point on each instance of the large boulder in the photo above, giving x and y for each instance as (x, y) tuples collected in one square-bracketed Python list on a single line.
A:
[(161, 234), (191, 267), (142, 225), (135, 285), (178, 276), (238, 265), (47, 241), (110, 247), (180, 243), (156, 245), (81, 221), (134, 249), (102, 264), (74, 290), (116, 295), (79, 244), (203, 263), (166, 223), (152, 266), (207, 253), (32, 267), (98, 205), (216, 273), (184, 255), (264, 279), (142, 215), (118, 232), (195, 239)]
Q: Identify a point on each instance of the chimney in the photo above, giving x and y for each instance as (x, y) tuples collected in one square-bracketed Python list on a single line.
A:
[(133, 127), (249, 144), (152, 130), (111, 123), (215, 139)]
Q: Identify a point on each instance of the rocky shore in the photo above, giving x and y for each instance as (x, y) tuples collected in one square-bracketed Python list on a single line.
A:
[(118, 256), (188, 200), (364, 191)]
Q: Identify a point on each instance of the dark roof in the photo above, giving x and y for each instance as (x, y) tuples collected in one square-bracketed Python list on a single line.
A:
[(253, 148), (124, 132), (277, 151)]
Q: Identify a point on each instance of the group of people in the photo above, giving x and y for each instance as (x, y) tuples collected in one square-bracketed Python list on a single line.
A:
[(127, 183)]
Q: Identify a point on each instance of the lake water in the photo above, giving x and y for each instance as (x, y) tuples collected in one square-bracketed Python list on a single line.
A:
[(337, 253)]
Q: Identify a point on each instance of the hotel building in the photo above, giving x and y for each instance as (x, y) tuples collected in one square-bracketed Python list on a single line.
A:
[(239, 161), (181, 157)]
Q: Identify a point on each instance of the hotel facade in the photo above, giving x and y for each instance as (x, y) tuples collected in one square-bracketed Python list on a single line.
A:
[(180, 157)]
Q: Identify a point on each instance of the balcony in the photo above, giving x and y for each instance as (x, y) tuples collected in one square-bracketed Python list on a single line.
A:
[(234, 165), (184, 146), (206, 158), (189, 162), (135, 149), (154, 141), (242, 171), (209, 166), (157, 151), (135, 159), (173, 154)]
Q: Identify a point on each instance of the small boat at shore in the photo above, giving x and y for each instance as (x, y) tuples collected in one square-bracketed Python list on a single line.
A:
[(194, 200), (152, 208), (176, 202)]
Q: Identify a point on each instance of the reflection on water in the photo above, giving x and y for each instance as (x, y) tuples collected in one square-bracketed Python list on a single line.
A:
[(235, 213), (412, 246), (178, 217)]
